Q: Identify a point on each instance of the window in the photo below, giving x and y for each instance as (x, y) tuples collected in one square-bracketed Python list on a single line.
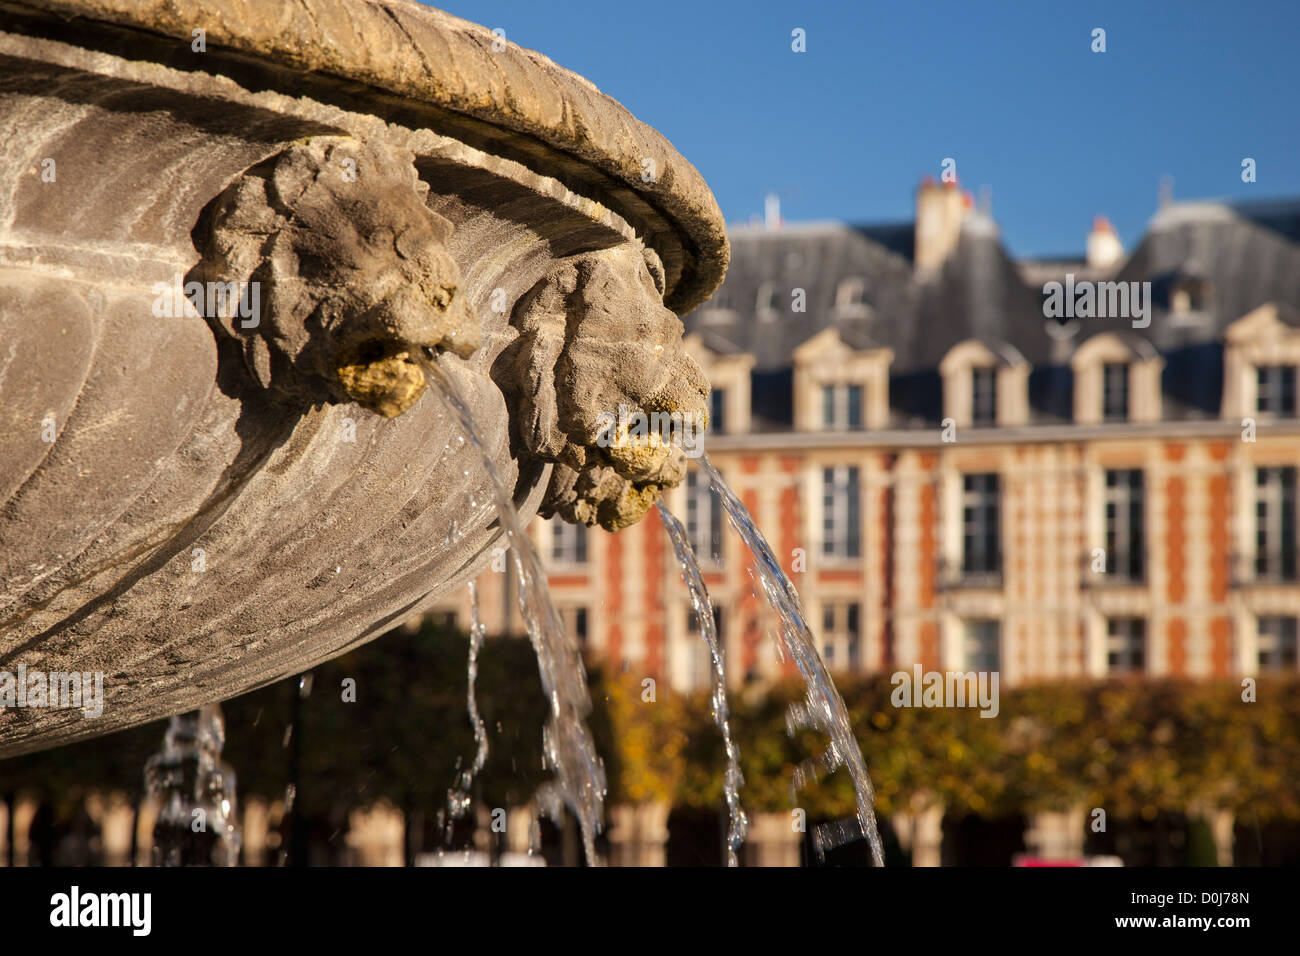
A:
[(1276, 392), (850, 293), (983, 399), (718, 411), (568, 542), (1125, 539), (983, 642), (701, 656), (842, 407), (703, 519), (1276, 644), (768, 302), (1114, 392), (1126, 640), (1275, 541), (693, 622), (841, 636), (980, 533), (841, 525), (575, 624)]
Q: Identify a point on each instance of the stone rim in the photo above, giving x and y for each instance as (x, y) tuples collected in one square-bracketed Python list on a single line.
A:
[(447, 63)]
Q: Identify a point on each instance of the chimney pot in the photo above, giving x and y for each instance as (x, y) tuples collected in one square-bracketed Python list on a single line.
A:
[(1104, 247), (772, 211)]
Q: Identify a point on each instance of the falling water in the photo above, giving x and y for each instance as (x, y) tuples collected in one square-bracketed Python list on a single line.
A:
[(458, 798), (570, 751), (734, 780), (192, 783), (823, 708)]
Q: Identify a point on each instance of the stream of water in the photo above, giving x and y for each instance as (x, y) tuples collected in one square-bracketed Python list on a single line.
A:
[(193, 787), (570, 752), (459, 796), (823, 708), (703, 608)]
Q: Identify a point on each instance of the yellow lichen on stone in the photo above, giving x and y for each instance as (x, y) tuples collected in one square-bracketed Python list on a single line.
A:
[(638, 457), (389, 385), (629, 508)]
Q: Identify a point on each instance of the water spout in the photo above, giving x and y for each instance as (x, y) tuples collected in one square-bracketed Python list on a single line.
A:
[(823, 708), (458, 797), (567, 743), (703, 608)]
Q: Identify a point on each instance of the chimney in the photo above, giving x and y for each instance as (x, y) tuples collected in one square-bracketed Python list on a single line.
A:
[(772, 211), (1165, 191), (1104, 247), (940, 209)]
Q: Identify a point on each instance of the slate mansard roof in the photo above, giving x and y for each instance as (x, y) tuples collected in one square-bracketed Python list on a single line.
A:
[(1245, 254)]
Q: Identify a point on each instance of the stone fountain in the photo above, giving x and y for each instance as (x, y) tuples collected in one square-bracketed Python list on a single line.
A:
[(227, 229)]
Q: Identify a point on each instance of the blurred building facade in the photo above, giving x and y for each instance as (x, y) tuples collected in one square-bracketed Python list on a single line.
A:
[(951, 478)]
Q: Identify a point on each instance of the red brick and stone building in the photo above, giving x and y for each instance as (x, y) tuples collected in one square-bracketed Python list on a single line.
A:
[(952, 478)]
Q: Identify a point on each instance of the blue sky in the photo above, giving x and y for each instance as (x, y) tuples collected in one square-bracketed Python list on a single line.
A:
[(1011, 90)]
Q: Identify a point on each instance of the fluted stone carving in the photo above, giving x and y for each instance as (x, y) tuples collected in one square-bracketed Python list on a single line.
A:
[(195, 499)]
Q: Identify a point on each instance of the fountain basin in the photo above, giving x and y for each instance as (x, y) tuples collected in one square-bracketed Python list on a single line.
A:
[(229, 228)]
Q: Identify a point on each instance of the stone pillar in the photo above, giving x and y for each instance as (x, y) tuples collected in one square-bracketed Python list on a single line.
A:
[(144, 831), (519, 829), (920, 831), (638, 835), (482, 828), (256, 827), (622, 835), (24, 811), (1222, 823), (375, 835), (1057, 835), (115, 817), (773, 840)]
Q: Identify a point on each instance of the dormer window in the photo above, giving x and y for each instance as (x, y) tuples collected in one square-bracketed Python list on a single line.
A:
[(985, 385), (851, 299), (842, 407), (1114, 391), (1260, 364), (1116, 379), (1275, 392), (1190, 295), (718, 411), (768, 302), (984, 397), (729, 371), (840, 386)]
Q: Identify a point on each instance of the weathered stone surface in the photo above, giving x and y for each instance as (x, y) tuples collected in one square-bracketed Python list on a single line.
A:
[(196, 507)]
